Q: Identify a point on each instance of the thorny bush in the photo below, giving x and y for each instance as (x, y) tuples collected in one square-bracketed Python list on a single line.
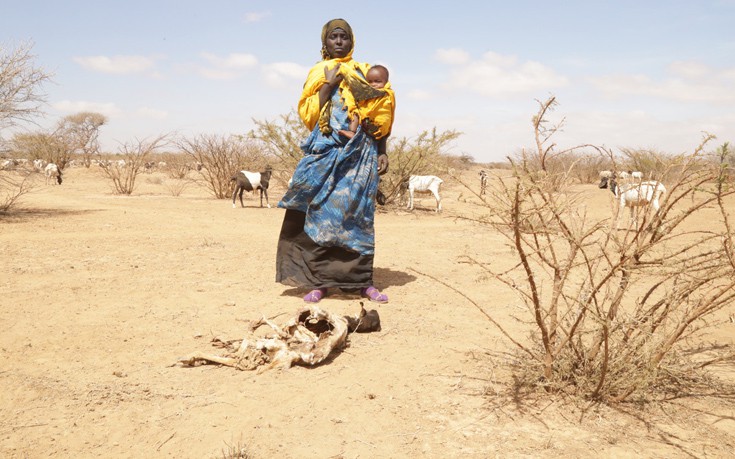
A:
[(611, 311)]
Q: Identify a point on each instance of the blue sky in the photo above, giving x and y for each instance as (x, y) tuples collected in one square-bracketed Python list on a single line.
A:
[(627, 74)]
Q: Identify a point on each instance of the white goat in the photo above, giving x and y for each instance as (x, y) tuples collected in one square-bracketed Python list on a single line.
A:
[(39, 164), (636, 175), (52, 170), (424, 183), (8, 164), (635, 196)]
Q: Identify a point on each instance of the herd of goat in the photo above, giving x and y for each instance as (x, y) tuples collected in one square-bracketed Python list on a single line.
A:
[(628, 187)]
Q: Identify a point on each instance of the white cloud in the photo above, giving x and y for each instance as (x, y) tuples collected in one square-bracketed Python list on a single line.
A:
[(452, 56), (68, 106), (228, 67), (116, 64), (689, 69), (256, 16), (677, 89), (151, 113), (217, 74), (495, 75), (418, 94), (232, 61), (688, 81), (498, 60), (728, 74), (283, 74)]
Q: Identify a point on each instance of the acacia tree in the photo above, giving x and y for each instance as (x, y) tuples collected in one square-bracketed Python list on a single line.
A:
[(39, 145), (20, 100), (80, 134), (20, 85)]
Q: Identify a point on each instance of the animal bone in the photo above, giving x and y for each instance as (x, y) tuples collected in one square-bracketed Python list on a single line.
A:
[(307, 338)]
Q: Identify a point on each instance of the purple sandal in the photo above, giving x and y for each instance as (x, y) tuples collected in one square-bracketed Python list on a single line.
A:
[(374, 295), (315, 295)]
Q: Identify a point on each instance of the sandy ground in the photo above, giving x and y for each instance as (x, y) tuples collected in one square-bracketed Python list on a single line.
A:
[(101, 294)]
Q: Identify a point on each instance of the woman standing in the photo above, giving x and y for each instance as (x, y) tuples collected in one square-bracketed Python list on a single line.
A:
[(327, 239)]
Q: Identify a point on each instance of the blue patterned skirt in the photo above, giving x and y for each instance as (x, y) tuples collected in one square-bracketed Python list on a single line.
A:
[(328, 236)]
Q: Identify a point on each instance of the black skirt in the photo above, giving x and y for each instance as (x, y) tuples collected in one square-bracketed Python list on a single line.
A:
[(300, 262)]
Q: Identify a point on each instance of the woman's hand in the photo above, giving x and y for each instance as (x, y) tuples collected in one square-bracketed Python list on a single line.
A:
[(382, 164), (333, 80), (333, 76)]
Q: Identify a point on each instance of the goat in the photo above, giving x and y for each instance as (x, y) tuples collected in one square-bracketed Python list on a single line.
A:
[(52, 170), (483, 182), (251, 181), (39, 164), (635, 196), (636, 175), (8, 164), (424, 183)]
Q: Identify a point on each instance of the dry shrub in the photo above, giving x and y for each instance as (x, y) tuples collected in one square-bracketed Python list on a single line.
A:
[(132, 158), (176, 186), (154, 180), (178, 168), (220, 157), (280, 141), (237, 450), (584, 167), (612, 312), (13, 185)]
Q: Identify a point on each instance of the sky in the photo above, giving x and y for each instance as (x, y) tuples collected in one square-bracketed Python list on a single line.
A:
[(627, 74)]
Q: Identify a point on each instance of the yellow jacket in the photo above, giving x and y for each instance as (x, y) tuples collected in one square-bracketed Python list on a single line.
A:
[(359, 97)]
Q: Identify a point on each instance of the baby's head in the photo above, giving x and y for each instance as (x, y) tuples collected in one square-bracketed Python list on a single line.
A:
[(377, 76)]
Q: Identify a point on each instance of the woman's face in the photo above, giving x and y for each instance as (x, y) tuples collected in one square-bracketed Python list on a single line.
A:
[(338, 43)]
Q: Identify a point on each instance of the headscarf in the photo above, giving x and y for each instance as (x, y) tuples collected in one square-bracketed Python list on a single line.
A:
[(328, 28)]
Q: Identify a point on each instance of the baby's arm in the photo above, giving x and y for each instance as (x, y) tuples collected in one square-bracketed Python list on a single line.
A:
[(354, 122)]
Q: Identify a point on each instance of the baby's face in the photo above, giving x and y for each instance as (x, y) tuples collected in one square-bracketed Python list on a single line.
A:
[(376, 78)]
